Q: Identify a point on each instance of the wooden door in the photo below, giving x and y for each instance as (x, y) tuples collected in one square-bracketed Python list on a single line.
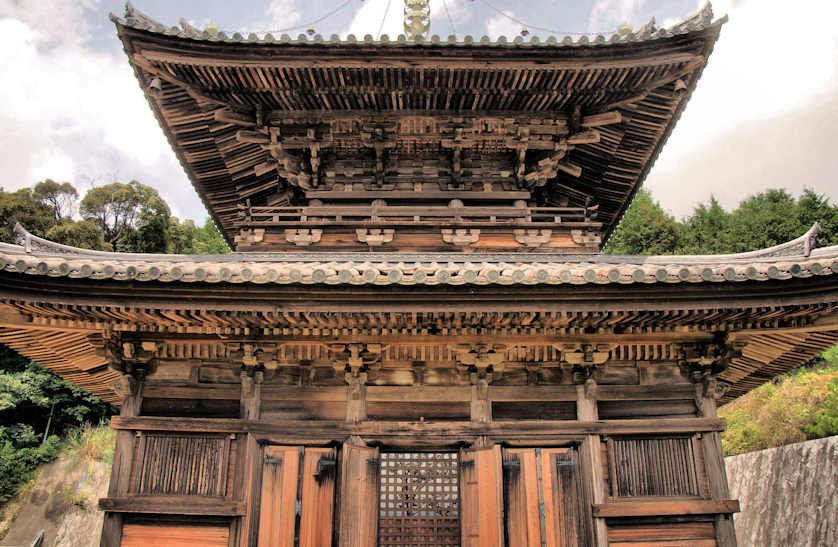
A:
[(480, 497), (548, 477), (358, 515), (298, 490)]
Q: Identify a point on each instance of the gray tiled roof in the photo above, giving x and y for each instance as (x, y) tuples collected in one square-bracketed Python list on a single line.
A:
[(137, 20), (797, 258)]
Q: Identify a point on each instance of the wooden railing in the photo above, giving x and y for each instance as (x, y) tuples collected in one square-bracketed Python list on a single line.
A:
[(411, 215)]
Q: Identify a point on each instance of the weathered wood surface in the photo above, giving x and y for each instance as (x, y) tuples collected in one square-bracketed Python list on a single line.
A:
[(358, 495), (173, 535), (481, 497), (172, 505), (662, 508), (330, 429)]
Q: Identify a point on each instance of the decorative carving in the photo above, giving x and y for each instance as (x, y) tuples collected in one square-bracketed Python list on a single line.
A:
[(133, 358), (461, 237), (479, 357), (532, 238), (585, 360), (706, 359), (375, 236), (355, 358), (303, 237), (713, 388), (585, 238)]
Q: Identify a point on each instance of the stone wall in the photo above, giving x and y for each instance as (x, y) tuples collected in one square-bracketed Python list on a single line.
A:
[(789, 495)]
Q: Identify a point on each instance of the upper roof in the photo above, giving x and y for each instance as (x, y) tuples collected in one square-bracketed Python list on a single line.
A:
[(218, 96)]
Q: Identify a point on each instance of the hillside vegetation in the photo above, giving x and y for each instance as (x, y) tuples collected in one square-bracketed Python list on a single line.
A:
[(795, 407)]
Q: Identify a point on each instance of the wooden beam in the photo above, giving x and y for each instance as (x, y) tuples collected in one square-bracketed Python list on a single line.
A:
[(665, 508), (172, 505), (329, 429)]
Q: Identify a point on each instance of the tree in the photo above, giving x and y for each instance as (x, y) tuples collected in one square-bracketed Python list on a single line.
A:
[(79, 233), (22, 207), (132, 216), (61, 196), (707, 231), (645, 229), (208, 240)]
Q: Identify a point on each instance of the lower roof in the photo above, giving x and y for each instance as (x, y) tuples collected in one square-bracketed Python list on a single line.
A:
[(59, 304)]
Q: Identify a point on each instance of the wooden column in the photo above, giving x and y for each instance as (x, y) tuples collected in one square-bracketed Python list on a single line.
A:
[(123, 459), (248, 488), (481, 404), (251, 396), (711, 443), (356, 396), (591, 456)]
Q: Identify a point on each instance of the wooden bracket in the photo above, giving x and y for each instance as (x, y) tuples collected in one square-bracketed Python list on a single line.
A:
[(532, 238), (585, 238), (461, 236), (375, 236), (246, 235), (303, 237)]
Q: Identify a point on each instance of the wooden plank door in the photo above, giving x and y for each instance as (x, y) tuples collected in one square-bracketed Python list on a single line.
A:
[(548, 478), (481, 502), (298, 492), (318, 497), (358, 514), (278, 508)]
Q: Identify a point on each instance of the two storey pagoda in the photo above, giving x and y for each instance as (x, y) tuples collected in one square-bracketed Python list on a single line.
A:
[(417, 340)]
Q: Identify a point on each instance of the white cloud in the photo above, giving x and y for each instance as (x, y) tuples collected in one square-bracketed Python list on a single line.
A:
[(498, 25), (283, 14), (772, 62), (71, 113), (607, 15)]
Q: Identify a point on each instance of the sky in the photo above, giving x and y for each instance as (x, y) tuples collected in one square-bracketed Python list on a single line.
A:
[(764, 114)]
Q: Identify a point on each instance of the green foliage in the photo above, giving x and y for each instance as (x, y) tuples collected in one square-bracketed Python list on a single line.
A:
[(37, 408), (132, 216), (21, 206), (79, 233), (60, 196), (646, 229), (91, 444), (795, 407), (762, 220)]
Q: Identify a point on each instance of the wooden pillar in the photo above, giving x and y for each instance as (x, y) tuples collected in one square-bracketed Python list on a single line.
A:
[(356, 396), (123, 459), (591, 455), (249, 488), (481, 404), (711, 443), (251, 395)]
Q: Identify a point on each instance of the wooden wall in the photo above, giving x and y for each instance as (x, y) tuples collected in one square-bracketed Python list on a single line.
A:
[(616, 464)]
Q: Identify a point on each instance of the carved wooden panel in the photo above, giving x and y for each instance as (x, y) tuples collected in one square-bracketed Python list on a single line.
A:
[(654, 467), (182, 465), (419, 500)]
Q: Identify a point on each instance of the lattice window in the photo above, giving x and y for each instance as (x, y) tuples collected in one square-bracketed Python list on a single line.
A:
[(419, 500), (182, 465), (654, 467)]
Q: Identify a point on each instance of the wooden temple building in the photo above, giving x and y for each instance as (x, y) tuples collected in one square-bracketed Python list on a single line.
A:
[(416, 341)]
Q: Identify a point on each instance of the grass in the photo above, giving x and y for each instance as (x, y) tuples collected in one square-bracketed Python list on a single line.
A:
[(795, 407), (91, 444)]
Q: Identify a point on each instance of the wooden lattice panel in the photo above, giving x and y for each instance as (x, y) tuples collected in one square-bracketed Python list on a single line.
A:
[(182, 465), (419, 500), (655, 467)]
